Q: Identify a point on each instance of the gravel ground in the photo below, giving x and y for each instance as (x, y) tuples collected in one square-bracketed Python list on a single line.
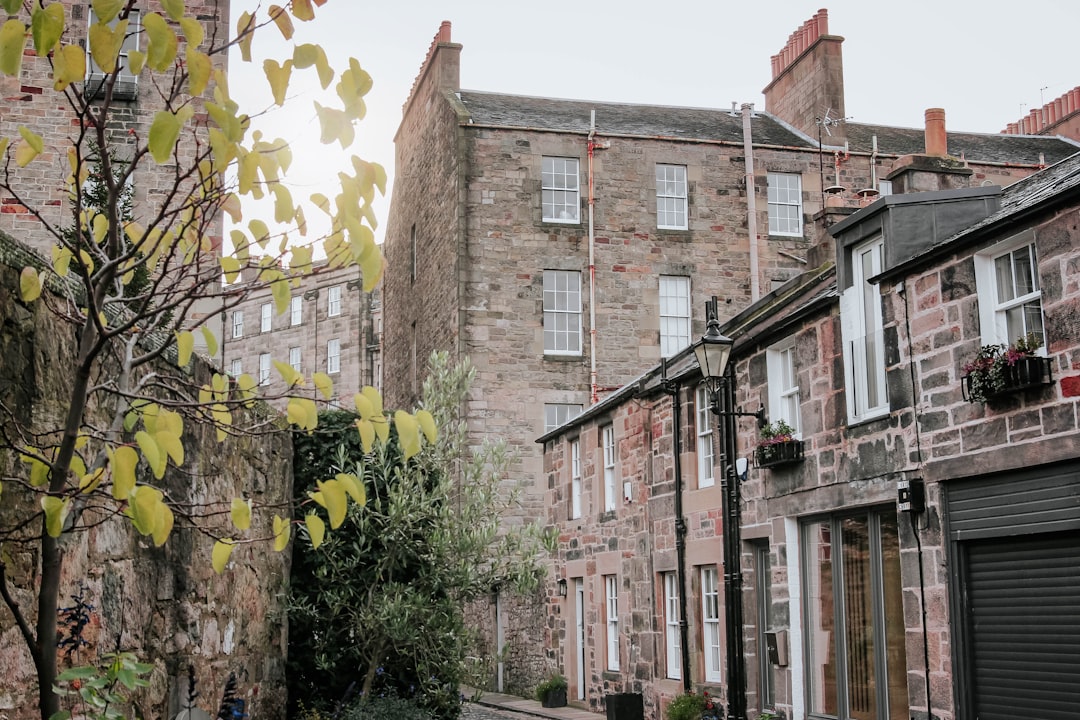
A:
[(472, 711)]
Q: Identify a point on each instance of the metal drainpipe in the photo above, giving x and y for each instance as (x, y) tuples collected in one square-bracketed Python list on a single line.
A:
[(594, 392), (751, 200), (672, 389), (733, 609)]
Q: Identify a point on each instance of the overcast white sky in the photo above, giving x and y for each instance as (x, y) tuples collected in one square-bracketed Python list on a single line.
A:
[(986, 62)]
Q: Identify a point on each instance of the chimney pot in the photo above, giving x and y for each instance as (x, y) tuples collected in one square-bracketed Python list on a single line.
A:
[(444, 31), (937, 142), (823, 21)]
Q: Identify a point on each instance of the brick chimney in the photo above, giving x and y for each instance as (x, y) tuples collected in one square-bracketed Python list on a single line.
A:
[(1060, 116), (808, 79), (441, 69), (934, 169)]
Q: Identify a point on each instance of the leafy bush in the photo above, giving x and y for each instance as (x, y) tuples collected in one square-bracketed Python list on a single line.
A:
[(986, 373), (693, 707), (552, 684)]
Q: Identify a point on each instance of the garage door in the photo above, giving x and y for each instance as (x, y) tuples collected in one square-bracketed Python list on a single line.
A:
[(1023, 598)]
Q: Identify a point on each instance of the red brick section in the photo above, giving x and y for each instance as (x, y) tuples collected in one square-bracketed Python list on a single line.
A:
[(1070, 386)]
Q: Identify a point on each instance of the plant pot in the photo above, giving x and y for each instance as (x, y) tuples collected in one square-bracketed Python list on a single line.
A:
[(1025, 373), (778, 454), (554, 698)]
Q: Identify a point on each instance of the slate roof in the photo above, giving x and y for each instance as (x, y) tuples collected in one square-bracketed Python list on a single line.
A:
[(518, 111), (985, 147), (685, 123)]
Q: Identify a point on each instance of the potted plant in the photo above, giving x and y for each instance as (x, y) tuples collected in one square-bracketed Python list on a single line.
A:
[(778, 445), (693, 707), (1002, 369), (552, 692)]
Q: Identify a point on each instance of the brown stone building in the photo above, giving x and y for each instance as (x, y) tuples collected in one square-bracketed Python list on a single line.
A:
[(331, 326), (561, 244), (915, 539)]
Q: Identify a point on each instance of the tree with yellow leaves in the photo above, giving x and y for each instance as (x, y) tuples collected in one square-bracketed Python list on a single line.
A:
[(197, 144)]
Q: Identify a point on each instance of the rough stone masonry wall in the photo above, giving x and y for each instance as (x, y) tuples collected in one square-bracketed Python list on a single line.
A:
[(30, 100), (166, 604)]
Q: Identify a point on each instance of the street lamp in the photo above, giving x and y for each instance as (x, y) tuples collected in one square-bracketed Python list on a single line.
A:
[(714, 349)]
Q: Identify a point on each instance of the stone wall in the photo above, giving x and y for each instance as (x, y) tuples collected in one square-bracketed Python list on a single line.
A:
[(166, 604)]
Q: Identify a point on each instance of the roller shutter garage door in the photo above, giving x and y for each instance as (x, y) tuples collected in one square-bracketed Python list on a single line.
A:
[(1024, 620)]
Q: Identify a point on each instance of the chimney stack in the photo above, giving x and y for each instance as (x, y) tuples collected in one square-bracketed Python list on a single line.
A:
[(937, 143)]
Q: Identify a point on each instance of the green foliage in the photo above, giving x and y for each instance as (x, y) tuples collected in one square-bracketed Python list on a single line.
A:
[(378, 606), (777, 432), (693, 707), (987, 373), (387, 707), (101, 692), (554, 683)]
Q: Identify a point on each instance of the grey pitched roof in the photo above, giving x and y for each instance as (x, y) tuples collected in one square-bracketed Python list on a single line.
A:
[(985, 147), (519, 111), (705, 124)]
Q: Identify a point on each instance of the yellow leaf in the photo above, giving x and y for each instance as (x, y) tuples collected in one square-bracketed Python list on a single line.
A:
[(164, 132), (353, 486), (56, 510), (106, 10), (89, 483), (199, 68), (316, 529), (364, 408), (162, 42), (427, 424), (317, 497), (278, 77), (374, 398), (172, 446), (408, 433), (210, 339), (12, 40), (193, 31), (284, 210), (47, 25), (282, 528), (324, 384), (31, 146), (144, 508), (170, 421), (185, 343), (282, 20), (153, 454), (105, 43), (303, 413), (382, 427), (367, 434), (241, 513), (301, 259), (246, 385), (173, 8), (231, 267), (29, 284), (336, 503), (304, 56), (124, 460), (334, 125), (39, 471), (259, 231), (61, 260), (282, 295), (372, 270), (219, 557), (136, 61), (69, 65), (302, 10), (245, 31), (164, 525), (288, 373)]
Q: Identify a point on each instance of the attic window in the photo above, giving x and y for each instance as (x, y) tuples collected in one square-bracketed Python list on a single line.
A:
[(126, 85)]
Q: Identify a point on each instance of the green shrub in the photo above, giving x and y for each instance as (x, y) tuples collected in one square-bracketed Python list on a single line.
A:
[(385, 708), (552, 684), (686, 707)]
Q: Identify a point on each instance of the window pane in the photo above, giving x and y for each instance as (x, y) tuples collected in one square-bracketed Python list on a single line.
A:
[(820, 606), (892, 594), (858, 619), (1003, 271)]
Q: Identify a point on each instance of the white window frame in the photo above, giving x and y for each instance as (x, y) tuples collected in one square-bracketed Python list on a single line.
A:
[(706, 453), (674, 291), (671, 194), (266, 318), (558, 414), (783, 197), (861, 328), (710, 623), (333, 301), (607, 447), (672, 644), (296, 311), (562, 312), (575, 478), (611, 620), (295, 358), (237, 324), (95, 74), (783, 381), (333, 356), (993, 310), (236, 369), (264, 368), (884, 188), (560, 190)]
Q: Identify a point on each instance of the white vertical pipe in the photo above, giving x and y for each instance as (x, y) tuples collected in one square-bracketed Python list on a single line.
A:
[(751, 201)]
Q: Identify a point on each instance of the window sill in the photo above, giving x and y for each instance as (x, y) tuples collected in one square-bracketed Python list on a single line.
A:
[(784, 236), (607, 516), (868, 419), (562, 358), (560, 223)]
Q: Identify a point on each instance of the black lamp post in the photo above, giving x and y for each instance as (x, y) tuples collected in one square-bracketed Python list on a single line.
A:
[(713, 352)]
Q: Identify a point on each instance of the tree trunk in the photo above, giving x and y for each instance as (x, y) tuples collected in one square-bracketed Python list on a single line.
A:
[(48, 599)]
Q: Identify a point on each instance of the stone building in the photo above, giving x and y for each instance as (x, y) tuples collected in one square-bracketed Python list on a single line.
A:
[(331, 326), (560, 244), (911, 551)]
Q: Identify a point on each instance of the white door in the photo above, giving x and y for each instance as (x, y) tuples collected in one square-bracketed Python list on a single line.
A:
[(579, 595)]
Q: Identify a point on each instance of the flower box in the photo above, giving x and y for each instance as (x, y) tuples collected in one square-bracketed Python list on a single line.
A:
[(776, 454), (1000, 370)]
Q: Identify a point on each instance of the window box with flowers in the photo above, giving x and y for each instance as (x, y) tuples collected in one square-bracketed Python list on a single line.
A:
[(778, 446), (1000, 370)]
